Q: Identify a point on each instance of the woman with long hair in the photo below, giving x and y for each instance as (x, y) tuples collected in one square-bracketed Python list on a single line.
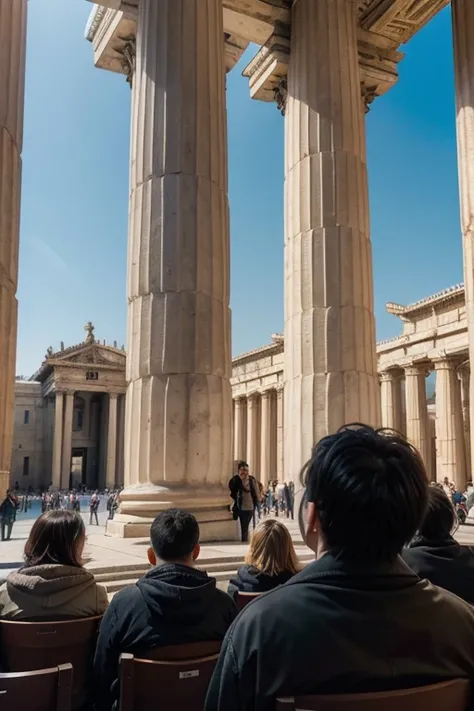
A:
[(271, 560), (53, 584)]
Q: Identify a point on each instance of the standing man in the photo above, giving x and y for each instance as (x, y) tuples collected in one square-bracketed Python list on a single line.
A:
[(244, 491), (94, 507), (289, 501), (8, 515)]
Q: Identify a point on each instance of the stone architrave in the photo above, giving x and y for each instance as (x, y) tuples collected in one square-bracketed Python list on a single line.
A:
[(266, 437), (12, 84), (111, 469), (330, 358), (67, 440), (465, 377), (463, 31), (58, 438), (178, 440), (417, 412), (391, 400), (450, 461), (239, 428)]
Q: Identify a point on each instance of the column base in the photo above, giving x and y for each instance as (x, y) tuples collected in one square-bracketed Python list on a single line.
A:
[(140, 504)]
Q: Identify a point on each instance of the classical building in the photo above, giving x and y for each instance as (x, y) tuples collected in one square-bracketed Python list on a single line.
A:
[(323, 62), (69, 420)]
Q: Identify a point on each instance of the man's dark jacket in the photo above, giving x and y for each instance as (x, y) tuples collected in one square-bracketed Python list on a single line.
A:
[(236, 488), (444, 563), (339, 628), (171, 604)]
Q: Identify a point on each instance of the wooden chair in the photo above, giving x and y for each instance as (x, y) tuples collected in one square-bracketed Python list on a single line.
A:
[(447, 696), (36, 645), (176, 678), (243, 599), (43, 690)]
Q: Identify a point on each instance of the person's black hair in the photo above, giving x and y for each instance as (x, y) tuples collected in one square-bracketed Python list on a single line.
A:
[(174, 534), (440, 516), (54, 539), (370, 491), (242, 465)]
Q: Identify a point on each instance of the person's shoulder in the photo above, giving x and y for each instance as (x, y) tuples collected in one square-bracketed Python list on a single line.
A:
[(126, 600), (448, 604)]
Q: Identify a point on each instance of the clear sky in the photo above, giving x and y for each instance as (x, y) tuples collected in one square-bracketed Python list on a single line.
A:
[(75, 190)]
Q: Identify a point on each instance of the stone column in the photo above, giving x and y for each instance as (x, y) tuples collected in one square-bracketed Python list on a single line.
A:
[(450, 460), (239, 429), (463, 30), (67, 440), (179, 400), (391, 400), (111, 469), (121, 437), (252, 433), (58, 439), (280, 471), (330, 358), (12, 83), (464, 377), (266, 437), (417, 411)]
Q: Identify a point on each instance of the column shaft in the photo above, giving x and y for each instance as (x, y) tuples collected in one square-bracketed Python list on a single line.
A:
[(58, 439), (111, 470), (67, 441), (463, 30), (266, 437), (391, 400), (252, 434), (450, 460), (330, 357), (239, 443), (12, 80), (280, 472), (465, 377), (417, 412)]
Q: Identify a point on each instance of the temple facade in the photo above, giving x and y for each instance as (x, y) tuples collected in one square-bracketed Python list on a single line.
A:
[(70, 418)]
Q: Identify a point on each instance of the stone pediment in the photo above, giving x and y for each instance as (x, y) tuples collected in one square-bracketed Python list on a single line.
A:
[(89, 354)]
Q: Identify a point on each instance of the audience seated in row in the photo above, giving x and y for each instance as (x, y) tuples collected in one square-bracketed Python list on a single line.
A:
[(174, 603), (435, 555), (53, 584), (358, 618), (271, 560)]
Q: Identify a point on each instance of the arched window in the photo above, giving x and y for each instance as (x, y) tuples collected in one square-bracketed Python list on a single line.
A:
[(78, 419)]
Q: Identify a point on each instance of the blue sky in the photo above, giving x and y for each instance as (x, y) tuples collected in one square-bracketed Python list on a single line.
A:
[(75, 190)]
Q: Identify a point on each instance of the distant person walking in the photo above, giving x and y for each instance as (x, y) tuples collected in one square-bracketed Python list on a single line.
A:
[(245, 493), (8, 515), (94, 507)]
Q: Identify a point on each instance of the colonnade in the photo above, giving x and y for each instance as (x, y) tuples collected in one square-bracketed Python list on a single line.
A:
[(404, 408)]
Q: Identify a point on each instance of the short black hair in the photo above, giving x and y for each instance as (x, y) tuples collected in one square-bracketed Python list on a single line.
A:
[(174, 534), (242, 465), (440, 517), (370, 491)]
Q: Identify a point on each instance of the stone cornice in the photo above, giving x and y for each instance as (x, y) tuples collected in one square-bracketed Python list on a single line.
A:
[(441, 297)]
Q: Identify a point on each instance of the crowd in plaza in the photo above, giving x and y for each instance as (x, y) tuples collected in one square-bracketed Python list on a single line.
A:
[(386, 604)]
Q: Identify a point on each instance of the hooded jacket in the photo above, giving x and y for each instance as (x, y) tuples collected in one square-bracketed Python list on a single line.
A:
[(171, 604), (444, 563), (251, 580), (51, 592)]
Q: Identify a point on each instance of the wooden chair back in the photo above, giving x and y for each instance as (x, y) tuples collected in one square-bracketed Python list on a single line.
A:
[(178, 683), (243, 599), (42, 690), (180, 652), (36, 645), (451, 695)]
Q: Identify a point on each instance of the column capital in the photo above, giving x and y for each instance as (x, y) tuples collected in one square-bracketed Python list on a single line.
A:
[(69, 391), (443, 364), (252, 398), (280, 388), (417, 369), (113, 396), (389, 376), (266, 394)]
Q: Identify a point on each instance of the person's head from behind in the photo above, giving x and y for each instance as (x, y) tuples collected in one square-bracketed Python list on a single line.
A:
[(57, 537), (174, 538), (440, 517), (243, 470), (271, 549), (367, 492)]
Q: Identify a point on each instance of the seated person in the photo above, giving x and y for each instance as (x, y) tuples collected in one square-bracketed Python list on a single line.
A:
[(173, 603), (53, 584), (435, 555), (271, 560), (357, 619)]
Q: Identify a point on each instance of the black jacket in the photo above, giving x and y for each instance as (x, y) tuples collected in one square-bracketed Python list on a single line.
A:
[(339, 628), (171, 604), (236, 488), (444, 563), (252, 580)]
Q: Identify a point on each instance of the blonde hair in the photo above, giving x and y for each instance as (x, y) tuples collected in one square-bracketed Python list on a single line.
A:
[(271, 549)]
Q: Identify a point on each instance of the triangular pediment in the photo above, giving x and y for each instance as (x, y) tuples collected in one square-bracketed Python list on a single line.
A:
[(89, 354)]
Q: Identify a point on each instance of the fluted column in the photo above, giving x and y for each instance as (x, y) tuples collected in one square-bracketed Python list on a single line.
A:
[(112, 443), (266, 437), (463, 30), (58, 439), (239, 428), (417, 411), (465, 377), (280, 471), (179, 400), (450, 460), (391, 400), (253, 433), (12, 81), (330, 358), (67, 440)]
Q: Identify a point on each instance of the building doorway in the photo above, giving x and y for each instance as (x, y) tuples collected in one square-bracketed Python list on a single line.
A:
[(78, 468)]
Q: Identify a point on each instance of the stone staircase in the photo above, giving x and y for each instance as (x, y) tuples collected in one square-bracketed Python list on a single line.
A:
[(117, 577)]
